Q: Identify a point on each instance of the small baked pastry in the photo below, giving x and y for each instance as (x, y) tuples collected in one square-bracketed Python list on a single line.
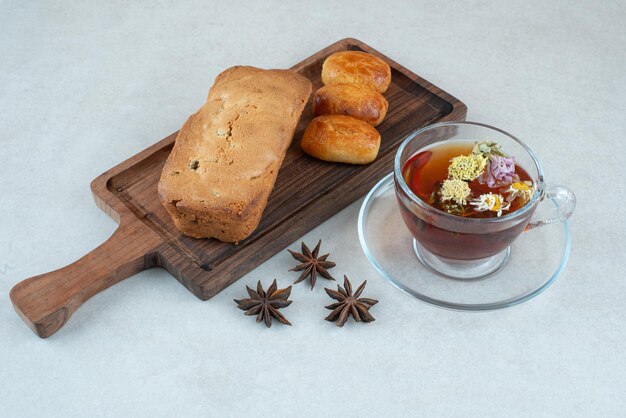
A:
[(341, 139), (356, 67), (349, 99)]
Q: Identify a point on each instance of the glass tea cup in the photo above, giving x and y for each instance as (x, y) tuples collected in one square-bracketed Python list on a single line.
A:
[(471, 248)]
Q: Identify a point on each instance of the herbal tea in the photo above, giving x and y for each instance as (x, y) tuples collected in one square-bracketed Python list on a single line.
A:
[(471, 181), (478, 181)]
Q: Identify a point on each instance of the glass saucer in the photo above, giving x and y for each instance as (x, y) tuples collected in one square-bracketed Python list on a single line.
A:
[(536, 259)]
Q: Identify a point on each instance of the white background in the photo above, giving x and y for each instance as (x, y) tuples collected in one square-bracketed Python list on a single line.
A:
[(86, 84)]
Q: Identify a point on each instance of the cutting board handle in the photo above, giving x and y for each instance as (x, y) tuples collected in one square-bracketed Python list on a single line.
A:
[(47, 301)]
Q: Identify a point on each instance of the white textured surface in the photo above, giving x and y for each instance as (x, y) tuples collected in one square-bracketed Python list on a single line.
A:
[(86, 84)]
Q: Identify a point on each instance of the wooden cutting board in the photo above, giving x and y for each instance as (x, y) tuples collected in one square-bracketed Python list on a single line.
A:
[(307, 192)]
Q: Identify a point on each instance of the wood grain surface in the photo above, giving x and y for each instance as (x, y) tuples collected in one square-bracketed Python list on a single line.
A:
[(307, 192)]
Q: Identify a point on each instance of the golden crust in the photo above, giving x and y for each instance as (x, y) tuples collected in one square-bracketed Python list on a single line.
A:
[(349, 99), (218, 177), (341, 139), (357, 67)]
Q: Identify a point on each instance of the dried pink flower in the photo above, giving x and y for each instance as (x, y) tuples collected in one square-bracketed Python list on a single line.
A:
[(500, 171)]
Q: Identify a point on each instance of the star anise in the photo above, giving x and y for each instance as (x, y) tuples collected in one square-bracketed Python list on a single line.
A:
[(265, 305), (349, 304), (312, 265)]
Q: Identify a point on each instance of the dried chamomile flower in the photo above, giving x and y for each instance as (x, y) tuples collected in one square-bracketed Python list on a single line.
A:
[(521, 189), (492, 202)]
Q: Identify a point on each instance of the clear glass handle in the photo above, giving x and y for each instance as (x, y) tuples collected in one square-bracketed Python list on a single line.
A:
[(557, 205)]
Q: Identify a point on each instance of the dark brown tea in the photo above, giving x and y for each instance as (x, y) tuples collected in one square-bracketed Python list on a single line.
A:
[(461, 180)]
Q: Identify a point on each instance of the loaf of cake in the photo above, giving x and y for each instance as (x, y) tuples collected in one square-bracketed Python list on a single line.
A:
[(219, 175)]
